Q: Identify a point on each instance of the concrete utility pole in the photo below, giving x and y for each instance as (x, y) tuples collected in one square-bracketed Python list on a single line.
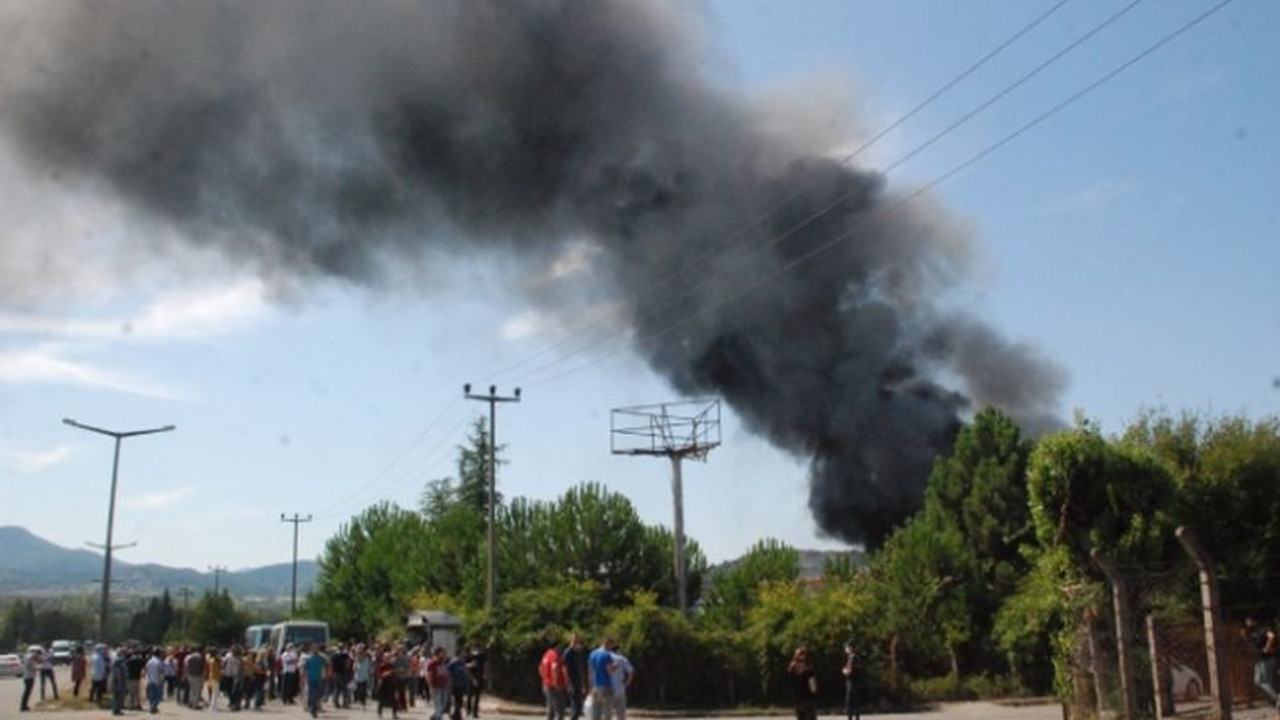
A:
[(217, 570), (676, 431), (296, 520), (105, 608), (1214, 645), (185, 592), (491, 580), (1120, 602)]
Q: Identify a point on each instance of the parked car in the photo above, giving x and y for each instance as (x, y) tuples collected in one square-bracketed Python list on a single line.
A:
[(1187, 684), (10, 666), (62, 650)]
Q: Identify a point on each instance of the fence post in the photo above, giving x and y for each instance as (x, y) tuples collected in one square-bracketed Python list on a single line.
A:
[(1219, 687), (1159, 671), (1120, 597)]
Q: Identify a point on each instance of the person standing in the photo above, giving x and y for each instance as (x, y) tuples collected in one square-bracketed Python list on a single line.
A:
[(261, 677), (289, 675), (78, 666), (194, 668), (47, 675), (30, 668), (621, 676), (476, 661), (384, 674), (314, 667), (851, 671), (119, 680), (230, 683), (154, 671), (363, 674), (804, 685), (574, 658), (1263, 643), (213, 677), (438, 678), (555, 683), (341, 663), (98, 667), (180, 660), (601, 665), (171, 673), (459, 682), (404, 677)]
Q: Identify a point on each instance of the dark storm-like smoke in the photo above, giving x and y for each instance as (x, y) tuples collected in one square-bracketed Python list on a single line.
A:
[(328, 138)]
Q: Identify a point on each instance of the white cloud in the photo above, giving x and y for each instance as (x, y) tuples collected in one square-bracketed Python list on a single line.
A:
[(156, 501), (29, 462), (188, 315), (527, 324), (46, 365), (577, 257), (1090, 198)]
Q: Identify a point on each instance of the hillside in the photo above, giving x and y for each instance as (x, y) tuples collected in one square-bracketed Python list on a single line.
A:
[(30, 565)]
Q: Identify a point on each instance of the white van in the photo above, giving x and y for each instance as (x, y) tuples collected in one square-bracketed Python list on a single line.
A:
[(257, 636), (298, 633)]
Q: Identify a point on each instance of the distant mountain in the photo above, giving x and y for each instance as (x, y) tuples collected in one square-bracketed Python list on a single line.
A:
[(30, 565)]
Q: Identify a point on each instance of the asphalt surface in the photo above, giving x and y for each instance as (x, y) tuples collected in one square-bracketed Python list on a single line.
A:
[(11, 695)]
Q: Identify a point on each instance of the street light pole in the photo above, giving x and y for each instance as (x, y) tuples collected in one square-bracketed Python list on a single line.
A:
[(111, 510), (491, 582)]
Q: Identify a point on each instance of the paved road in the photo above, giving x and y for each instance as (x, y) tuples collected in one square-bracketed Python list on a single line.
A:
[(11, 693)]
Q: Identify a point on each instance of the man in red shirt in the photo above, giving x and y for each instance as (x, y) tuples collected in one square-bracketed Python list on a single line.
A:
[(438, 679), (555, 683)]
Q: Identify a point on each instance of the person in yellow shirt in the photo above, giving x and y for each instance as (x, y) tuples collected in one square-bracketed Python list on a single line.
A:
[(213, 677)]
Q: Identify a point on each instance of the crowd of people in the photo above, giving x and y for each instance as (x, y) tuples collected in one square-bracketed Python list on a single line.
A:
[(577, 682), (392, 676)]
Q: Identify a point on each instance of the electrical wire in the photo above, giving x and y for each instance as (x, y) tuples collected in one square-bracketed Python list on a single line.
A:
[(927, 187)]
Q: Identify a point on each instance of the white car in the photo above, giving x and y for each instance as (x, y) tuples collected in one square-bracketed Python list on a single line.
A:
[(10, 666), (1187, 684)]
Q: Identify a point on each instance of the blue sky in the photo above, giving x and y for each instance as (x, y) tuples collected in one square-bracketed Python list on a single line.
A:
[(1131, 238)]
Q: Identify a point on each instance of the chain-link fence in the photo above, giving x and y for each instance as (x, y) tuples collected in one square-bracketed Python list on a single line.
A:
[(1161, 645)]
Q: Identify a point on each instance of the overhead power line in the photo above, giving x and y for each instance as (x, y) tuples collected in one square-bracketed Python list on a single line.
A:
[(664, 306), (955, 170), (727, 241)]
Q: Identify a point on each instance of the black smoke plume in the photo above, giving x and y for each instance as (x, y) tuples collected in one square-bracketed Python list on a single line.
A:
[(329, 138)]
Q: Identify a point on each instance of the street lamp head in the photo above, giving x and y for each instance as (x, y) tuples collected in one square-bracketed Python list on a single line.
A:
[(517, 393), (493, 389), (466, 389)]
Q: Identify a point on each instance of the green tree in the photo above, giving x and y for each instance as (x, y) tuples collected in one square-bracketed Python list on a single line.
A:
[(1227, 471), (733, 591), (1085, 494), (596, 535), (151, 624), (370, 570), (215, 620)]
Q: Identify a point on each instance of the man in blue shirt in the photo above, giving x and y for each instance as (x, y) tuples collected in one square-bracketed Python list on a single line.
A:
[(313, 666), (601, 664)]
